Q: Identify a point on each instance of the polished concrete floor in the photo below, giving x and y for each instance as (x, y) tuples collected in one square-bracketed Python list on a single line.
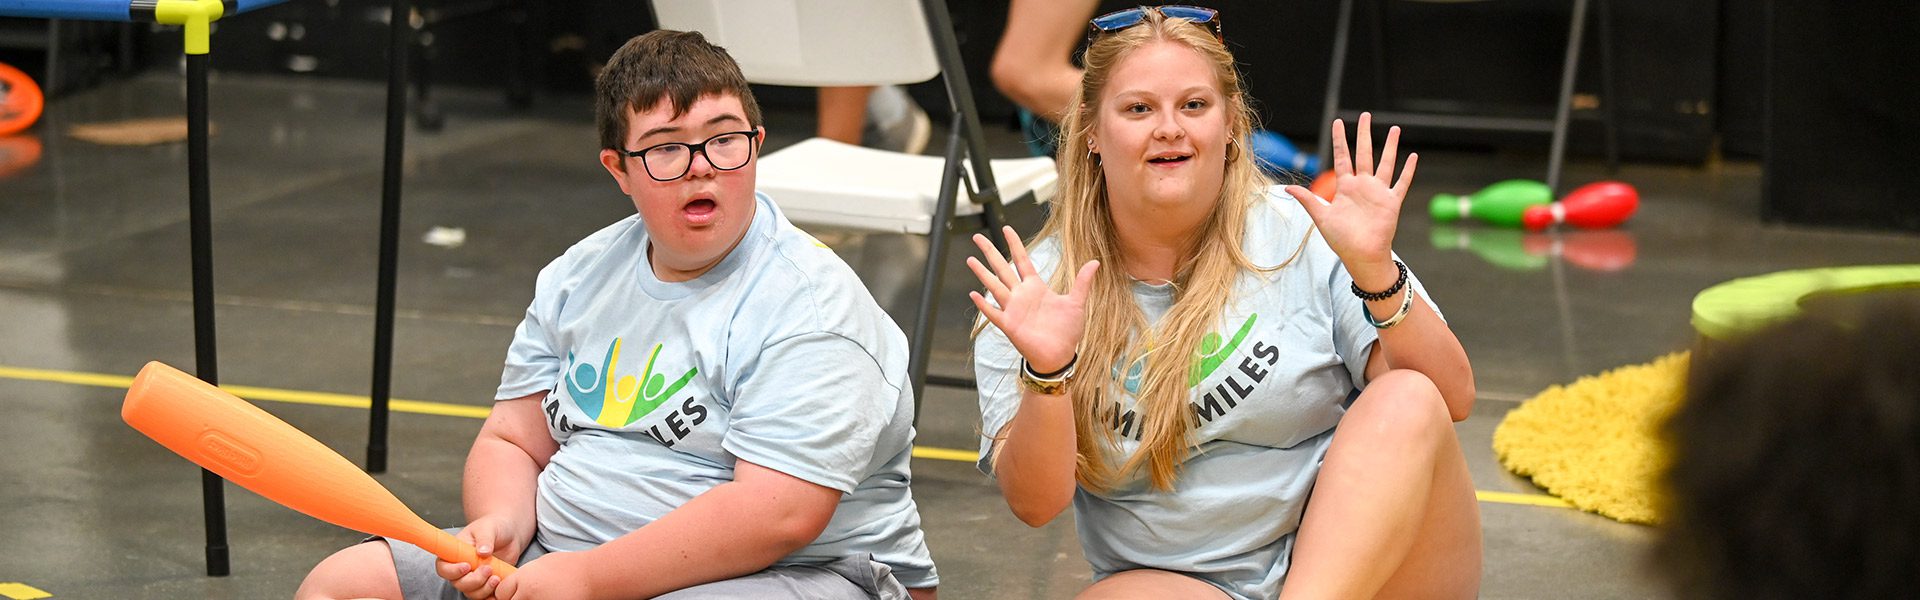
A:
[(94, 282)]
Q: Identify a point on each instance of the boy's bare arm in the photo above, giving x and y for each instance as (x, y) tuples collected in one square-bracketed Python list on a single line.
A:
[(503, 468), (734, 529)]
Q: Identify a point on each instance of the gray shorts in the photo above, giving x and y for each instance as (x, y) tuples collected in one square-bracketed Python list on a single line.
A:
[(850, 578)]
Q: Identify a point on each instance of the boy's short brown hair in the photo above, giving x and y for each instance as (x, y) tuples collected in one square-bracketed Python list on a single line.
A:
[(1792, 463), (681, 66)]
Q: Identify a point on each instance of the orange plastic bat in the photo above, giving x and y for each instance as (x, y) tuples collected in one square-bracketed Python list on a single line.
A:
[(250, 447)]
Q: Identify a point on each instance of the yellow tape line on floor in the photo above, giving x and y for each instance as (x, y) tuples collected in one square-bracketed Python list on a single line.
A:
[(480, 412), (21, 591), (257, 393)]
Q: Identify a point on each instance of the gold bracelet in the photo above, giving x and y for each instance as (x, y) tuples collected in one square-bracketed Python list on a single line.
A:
[(1049, 386)]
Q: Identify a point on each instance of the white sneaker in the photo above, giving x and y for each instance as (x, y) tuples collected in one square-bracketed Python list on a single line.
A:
[(895, 122)]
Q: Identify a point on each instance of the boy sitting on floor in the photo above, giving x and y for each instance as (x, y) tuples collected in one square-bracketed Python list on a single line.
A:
[(702, 401)]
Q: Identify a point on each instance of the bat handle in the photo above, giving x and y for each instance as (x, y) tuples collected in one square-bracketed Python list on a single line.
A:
[(500, 567), (451, 549)]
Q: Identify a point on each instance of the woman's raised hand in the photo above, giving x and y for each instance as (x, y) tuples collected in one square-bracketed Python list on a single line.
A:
[(1359, 220), (1044, 326)]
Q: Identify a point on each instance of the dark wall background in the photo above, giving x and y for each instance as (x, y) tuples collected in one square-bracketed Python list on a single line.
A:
[(1740, 77), (1497, 58), (1824, 93), (1494, 57), (68, 55), (1688, 76), (561, 43), (1841, 98)]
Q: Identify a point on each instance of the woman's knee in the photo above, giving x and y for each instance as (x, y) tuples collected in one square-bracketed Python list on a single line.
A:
[(1400, 402)]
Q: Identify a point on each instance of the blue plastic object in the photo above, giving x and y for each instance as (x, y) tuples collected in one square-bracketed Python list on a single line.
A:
[(89, 10), (1274, 153), (252, 5), (101, 10)]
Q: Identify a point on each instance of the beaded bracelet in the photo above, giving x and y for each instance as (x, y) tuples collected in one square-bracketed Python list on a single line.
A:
[(1397, 283)]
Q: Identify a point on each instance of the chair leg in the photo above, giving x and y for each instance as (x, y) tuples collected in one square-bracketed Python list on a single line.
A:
[(1335, 73), (1611, 117), (923, 314), (919, 347), (995, 223), (1568, 71)]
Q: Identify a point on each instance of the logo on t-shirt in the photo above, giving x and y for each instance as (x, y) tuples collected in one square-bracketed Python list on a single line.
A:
[(617, 401), (1207, 359)]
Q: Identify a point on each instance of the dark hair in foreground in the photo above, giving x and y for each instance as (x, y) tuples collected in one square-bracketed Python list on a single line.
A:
[(1795, 466), (680, 66)]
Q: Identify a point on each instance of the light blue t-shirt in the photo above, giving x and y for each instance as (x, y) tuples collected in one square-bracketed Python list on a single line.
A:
[(777, 356), (1292, 352)]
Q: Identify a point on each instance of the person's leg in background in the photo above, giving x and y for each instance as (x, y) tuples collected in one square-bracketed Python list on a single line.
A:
[(1033, 65), (842, 112), (877, 117)]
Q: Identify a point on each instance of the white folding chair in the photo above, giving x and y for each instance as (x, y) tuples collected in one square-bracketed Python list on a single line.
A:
[(870, 42)]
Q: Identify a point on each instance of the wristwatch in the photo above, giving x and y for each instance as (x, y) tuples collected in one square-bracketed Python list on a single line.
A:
[(1049, 384)]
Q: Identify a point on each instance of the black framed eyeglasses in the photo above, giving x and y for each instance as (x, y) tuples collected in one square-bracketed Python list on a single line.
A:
[(1122, 19), (672, 160)]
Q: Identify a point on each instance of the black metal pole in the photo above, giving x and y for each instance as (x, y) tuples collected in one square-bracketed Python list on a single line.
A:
[(1608, 101), (205, 361), (953, 75), (1569, 70), (1336, 74), (920, 349), (397, 33), (1769, 211)]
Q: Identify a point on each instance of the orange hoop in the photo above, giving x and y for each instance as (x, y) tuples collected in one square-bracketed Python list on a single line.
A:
[(20, 101)]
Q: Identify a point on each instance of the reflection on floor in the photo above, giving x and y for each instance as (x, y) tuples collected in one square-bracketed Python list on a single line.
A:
[(93, 280)]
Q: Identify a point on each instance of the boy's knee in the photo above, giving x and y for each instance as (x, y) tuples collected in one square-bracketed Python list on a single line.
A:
[(363, 570)]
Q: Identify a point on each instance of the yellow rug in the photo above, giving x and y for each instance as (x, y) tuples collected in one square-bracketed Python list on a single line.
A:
[(1595, 442)]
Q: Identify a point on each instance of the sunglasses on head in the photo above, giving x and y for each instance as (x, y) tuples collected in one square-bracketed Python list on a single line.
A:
[(1118, 20)]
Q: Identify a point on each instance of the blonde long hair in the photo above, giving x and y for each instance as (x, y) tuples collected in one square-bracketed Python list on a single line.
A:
[(1117, 331)]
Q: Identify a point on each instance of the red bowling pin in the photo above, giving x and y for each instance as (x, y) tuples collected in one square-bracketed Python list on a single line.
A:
[(1593, 206)]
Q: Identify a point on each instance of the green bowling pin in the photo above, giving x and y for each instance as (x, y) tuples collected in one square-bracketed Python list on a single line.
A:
[(1500, 204)]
